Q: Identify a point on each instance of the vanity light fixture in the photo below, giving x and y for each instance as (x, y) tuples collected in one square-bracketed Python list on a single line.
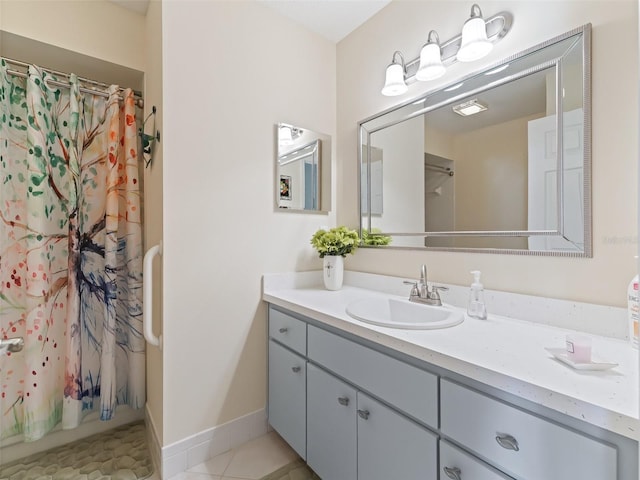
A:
[(431, 66), (395, 77), (476, 40), (285, 137), (470, 108), (288, 134), (474, 44)]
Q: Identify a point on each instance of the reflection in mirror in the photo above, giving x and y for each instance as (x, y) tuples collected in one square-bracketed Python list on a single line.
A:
[(479, 165), (303, 169)]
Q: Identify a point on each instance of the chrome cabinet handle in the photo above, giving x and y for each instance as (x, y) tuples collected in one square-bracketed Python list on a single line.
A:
[(364, 414), (507, 441), (453, 472), (343, 401), (296, 369), (283, 330)]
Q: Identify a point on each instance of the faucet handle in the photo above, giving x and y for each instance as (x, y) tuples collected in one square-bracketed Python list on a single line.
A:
[(414, 288), (435, 292)]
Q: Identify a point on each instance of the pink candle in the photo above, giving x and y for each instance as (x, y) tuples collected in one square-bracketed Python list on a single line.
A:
[(579, 348)]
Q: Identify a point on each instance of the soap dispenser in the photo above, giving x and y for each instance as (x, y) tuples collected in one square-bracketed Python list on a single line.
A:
[(477, 307)]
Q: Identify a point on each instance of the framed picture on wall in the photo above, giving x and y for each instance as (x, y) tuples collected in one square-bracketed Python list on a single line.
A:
[(285, 187)]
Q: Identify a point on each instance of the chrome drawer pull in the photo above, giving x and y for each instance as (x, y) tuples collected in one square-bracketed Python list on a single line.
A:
[(364, 414), (283, 330), (343, 401), (453, 473), (296, 369), (507, 441)]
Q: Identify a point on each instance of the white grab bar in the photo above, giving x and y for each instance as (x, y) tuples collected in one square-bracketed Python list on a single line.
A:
[(147, 288)]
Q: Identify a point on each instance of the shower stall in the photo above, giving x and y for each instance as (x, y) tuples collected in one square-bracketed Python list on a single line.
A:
[(72, 350)]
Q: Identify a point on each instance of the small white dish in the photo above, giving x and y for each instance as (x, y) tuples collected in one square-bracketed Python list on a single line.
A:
[(594, 364)]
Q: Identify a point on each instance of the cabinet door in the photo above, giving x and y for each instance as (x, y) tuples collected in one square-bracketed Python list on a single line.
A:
[(331, 426), (392, 446), (287, 396)]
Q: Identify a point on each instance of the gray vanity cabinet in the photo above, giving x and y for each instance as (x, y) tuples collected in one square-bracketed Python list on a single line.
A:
[(356, 412), (288, 396)]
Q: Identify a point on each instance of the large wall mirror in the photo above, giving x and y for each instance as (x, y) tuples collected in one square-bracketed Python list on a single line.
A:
[(496, 162), (303, 169)]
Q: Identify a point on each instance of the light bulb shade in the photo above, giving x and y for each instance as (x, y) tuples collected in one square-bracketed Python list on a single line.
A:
[(431, 66), (285, 137), (394, 81), (474, 43)]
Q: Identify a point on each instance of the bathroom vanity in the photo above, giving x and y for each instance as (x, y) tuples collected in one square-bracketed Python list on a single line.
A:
[(482, 400)]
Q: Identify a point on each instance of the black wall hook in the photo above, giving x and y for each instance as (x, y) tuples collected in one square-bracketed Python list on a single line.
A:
[(147, 140)]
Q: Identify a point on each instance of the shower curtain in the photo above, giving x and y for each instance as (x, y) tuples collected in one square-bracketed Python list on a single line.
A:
[(70, 254)]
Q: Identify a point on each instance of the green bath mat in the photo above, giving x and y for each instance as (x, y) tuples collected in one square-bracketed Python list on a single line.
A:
[(119, 454)]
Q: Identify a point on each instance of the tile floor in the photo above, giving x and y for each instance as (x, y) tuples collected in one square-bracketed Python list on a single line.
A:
[(250, 461)]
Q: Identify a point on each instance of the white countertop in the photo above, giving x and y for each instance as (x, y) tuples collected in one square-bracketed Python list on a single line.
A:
[(501, 352)]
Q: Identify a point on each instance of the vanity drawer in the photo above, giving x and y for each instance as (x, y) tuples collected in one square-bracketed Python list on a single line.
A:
[(519, 443), (406, 387), (288, 330), (459, 465)]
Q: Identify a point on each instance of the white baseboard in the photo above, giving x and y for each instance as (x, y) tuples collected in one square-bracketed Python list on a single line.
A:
[(191, 451)]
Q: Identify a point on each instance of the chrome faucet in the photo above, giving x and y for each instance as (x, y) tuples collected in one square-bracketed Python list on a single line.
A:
[(421, 293)]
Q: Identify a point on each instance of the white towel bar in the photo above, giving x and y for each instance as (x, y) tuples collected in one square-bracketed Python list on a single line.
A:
[(147, 284)]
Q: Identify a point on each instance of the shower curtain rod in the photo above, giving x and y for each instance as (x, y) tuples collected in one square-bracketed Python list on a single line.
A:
[(99, 93)]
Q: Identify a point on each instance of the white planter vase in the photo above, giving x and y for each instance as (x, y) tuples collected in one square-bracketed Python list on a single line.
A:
[(333, 271)]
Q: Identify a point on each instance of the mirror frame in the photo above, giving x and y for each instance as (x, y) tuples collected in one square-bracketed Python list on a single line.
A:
[(364, 142), (320, 151)]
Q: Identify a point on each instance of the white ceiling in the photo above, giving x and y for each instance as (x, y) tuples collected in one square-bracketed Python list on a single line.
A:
[(333, 19)]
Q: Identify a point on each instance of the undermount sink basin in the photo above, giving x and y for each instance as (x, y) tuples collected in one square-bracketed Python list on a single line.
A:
[(401, 313)]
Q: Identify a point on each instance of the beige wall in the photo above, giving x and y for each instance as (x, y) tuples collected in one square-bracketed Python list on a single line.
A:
[(100, 29), (153, 198), (488, 172), (362, 57), (232, 70)]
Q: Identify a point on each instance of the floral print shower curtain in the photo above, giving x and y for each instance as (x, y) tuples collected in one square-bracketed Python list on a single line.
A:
[(70, 254)]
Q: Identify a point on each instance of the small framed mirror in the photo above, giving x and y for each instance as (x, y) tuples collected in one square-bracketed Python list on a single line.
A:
[(303, 169)]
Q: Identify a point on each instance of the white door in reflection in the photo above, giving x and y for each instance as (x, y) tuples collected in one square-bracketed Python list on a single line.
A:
[(542, 183)]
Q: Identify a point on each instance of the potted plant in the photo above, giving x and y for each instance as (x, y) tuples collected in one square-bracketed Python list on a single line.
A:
[(333, 245)]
